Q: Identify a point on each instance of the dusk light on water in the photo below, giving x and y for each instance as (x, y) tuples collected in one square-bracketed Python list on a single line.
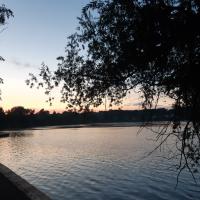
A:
[(99, 99)]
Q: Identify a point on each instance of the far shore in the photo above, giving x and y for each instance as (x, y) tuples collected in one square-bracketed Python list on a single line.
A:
[(6, 132)]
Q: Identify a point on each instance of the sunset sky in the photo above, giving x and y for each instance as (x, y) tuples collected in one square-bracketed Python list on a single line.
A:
[(37, 33)]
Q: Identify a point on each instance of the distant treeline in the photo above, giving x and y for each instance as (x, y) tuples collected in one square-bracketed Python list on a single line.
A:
[(20, 117)]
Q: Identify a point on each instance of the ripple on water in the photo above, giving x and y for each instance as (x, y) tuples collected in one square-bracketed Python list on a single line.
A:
[(95, 163)]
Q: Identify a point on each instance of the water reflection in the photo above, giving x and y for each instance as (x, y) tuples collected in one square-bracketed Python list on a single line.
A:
[(16, 133), (21, 133), (94, 163)]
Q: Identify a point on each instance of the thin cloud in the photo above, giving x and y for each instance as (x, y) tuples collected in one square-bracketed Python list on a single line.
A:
[(18, 63)]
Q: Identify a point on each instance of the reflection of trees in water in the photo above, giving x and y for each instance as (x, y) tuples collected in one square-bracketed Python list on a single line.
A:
[(16, 148), (20, 133)]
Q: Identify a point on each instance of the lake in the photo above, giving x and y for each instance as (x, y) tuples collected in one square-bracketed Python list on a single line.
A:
[(95, 163)]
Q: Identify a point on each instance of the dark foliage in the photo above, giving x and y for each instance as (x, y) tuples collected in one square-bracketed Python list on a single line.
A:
[(151, 45), (4, 15), (20, 117)]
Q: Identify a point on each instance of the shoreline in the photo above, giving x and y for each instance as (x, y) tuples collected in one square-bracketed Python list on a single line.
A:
[(15, 187), (6, 132)]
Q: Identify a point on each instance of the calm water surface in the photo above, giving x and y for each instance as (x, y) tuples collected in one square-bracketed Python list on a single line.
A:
[(94, 163)]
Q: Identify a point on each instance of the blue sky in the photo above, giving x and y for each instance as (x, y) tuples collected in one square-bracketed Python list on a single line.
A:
[(37, 33), (39, 29)]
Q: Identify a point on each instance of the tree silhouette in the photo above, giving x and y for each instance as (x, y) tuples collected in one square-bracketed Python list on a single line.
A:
[(20, 117), (2, 117), (4, 15), (153, 45)]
